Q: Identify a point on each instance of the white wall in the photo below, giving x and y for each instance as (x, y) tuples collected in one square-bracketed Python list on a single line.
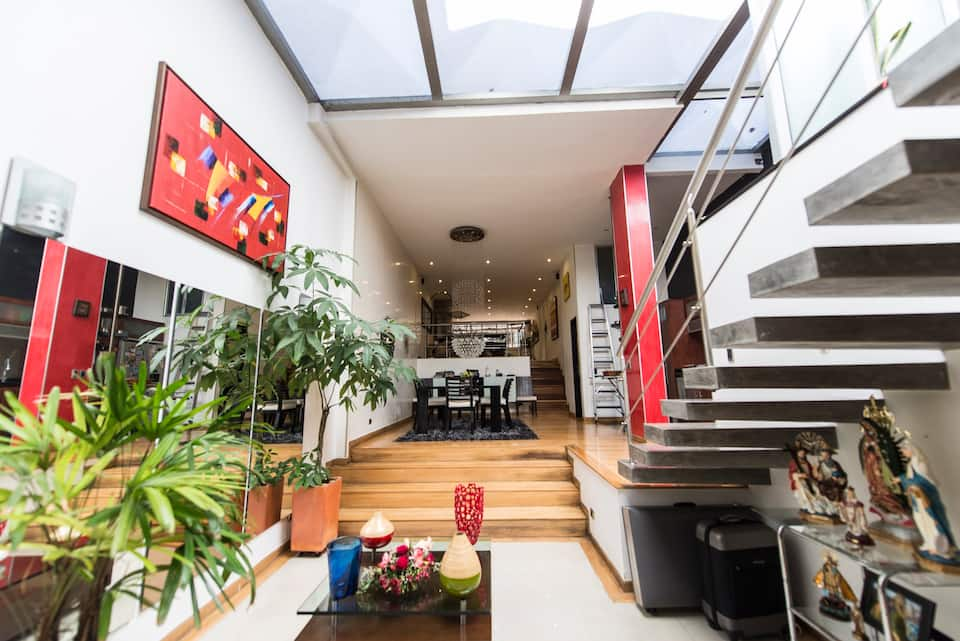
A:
[(516, 365), (389, 284)]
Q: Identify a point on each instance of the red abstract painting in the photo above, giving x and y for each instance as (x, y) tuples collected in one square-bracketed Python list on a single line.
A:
[(203, 175)]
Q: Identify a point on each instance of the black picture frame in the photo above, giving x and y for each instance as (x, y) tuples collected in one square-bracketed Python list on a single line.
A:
[(919, 623)]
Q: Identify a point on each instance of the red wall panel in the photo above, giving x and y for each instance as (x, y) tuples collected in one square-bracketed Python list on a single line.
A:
[(60, 341), (634, 258)]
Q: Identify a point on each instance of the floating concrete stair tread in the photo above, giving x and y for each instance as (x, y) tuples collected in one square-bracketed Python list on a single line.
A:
[(842, 410), (639, 473), (940, 330), (892, 376), (886, 270), (914, 181), (747, 434), (711, 457), (931, 75)]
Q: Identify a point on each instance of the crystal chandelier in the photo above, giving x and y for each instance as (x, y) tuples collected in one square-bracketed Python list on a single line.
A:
[(467, 295), (470, 346)]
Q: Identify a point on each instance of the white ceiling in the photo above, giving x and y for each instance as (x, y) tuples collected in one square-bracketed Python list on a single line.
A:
[(535, 177)]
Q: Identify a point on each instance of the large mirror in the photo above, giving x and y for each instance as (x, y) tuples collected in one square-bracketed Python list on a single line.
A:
[(21, 256)]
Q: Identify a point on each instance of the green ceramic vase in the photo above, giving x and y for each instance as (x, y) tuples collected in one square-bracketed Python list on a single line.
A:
[(460, 570)]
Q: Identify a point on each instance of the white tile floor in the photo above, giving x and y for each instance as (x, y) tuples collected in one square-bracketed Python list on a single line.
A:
[(540, 591)]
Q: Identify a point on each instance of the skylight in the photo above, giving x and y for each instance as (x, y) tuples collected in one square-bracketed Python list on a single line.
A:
[(698, 121)]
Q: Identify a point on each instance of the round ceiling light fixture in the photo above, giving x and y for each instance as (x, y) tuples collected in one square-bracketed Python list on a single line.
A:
[(467, 234)]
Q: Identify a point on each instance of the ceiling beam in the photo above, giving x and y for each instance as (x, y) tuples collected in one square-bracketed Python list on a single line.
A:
[(576, 47), (262, 15), (715, 52), (429, 51)]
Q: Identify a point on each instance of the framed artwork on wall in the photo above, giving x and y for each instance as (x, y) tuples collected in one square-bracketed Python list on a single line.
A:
[(566, 286), (911, 615), (203, 176), (554, 319)]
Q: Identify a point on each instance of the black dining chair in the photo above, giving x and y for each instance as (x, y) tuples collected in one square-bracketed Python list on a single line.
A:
[(425, 404), (486, 401), (525, 395), (460, 396)]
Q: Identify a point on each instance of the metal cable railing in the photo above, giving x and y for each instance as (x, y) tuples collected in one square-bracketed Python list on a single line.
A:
[(686, 213)]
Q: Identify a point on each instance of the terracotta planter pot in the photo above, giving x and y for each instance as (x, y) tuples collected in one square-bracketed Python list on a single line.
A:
[(316, 517), (263, 507)]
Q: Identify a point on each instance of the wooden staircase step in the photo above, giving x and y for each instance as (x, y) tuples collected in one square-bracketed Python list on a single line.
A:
[(498, 522), (885, 270), (891, 331), (914, 181), (639, 473), (839, 411), (470, 451), (746, 434), (458, 471), (410, 495), (892, 376), (710, 457), (931, 75)]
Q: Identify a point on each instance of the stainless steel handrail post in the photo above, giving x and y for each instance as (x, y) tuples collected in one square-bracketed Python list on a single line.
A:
[(698, 281)]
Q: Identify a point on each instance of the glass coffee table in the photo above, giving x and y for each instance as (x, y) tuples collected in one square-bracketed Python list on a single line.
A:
[(429, 614)]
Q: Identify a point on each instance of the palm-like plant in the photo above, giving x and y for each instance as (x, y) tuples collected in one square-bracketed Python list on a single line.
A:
[(176, 504)]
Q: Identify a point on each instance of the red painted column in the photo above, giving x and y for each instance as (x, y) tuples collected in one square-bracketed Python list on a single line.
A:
[(62, 339), (633, 254)]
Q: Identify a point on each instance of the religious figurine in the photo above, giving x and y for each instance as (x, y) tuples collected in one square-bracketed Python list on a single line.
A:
[(883, 463), (834, 590), (856, 623), (852, 513), (938, 549), (817, 485)]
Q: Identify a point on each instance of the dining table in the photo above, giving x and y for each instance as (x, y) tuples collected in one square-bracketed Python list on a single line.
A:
[(492, 389)]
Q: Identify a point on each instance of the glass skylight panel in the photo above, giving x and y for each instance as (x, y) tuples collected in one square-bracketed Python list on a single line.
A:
[(725, 72), (693, 130), (636, 44), (502, 46), (355, 49)]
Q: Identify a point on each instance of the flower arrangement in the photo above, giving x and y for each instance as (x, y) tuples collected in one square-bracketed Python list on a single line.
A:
[(402, 571)]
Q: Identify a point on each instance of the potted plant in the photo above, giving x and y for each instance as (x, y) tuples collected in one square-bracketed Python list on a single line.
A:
[(265, 494), (315, 342), (180, 472)]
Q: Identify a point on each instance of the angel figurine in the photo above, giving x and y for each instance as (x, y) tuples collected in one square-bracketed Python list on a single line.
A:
[(852, 513), (836, 593)]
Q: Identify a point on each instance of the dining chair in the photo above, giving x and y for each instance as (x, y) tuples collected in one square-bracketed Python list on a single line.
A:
[(486, 402), (525, 395), (424, 390), (460, 396)]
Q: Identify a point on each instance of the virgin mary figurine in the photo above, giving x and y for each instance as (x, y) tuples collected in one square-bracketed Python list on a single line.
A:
[(938, 549)]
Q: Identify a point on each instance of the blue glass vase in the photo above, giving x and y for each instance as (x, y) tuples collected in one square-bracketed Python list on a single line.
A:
[(343, 555)]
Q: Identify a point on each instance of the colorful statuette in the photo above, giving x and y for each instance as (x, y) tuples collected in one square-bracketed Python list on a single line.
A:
[(853, 514), (835, 593), (937, 550), (817, 480), (468, 510), (883, 464)]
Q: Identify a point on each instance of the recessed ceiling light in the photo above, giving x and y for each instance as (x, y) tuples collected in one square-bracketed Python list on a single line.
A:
[(488, 307), (430, 263), (411, 281), (440, 280), (444, 291), (420, 291), (526, 307), (534, 289), (397, 264), (539, 277), (489, 279), (549, 260), (488, 291), (388, 302), (487, 261), (530, 299)]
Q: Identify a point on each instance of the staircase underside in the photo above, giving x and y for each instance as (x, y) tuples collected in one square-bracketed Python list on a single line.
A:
[(709, 457), (893, 376), (639, 473), (747, 434), (887, 270), (841, 411)]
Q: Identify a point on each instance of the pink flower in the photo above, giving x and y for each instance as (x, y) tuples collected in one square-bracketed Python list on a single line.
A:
[(418, 561), (384, 581), (402, 562), (402, 550), (418, 553), (430, 557), (385, 560)]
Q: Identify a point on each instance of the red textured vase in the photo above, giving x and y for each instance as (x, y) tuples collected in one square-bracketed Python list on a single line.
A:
[(468, 510)]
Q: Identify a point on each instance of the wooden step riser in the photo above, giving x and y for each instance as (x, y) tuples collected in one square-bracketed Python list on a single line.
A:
[(443, 499), (923, 331), (914, 181), (899, 376), (693, 476), (892, 270), (525, 529), (710, 435), (931, 75), (708, 458), (416, 453), (840, 411), (455, 475)]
